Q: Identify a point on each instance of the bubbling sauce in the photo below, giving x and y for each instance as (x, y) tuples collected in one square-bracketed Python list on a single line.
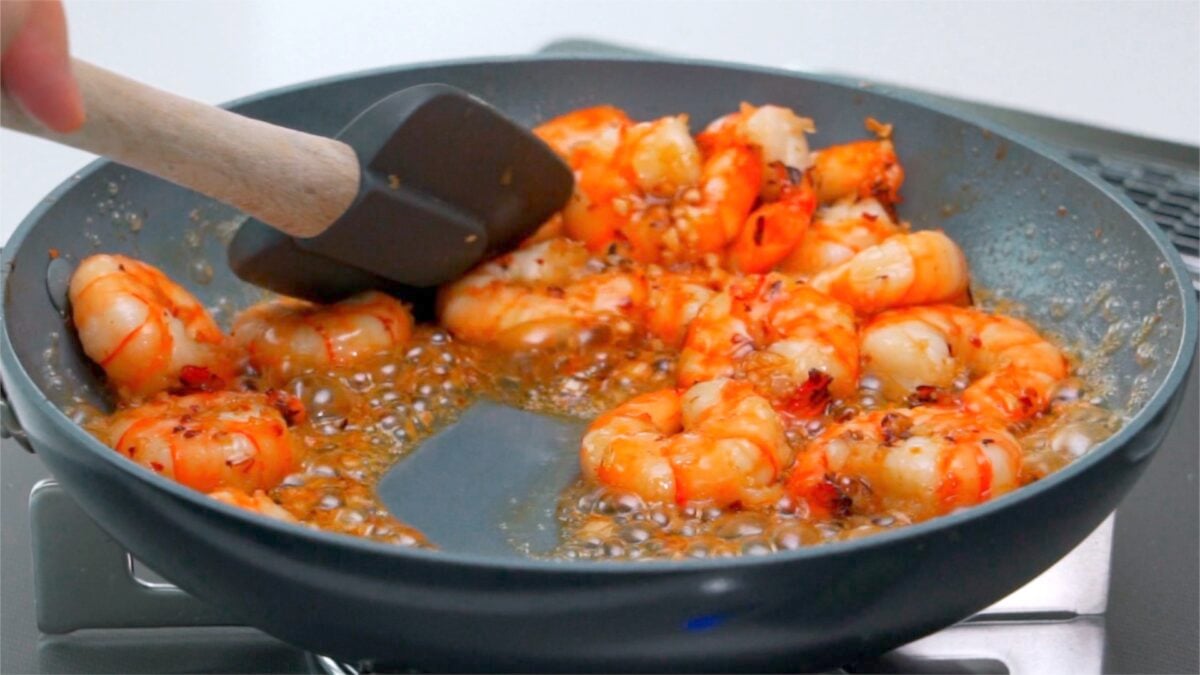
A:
[(361, 421)]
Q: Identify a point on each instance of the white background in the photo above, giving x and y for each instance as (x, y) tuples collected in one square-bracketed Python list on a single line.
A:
[(1133, 66)]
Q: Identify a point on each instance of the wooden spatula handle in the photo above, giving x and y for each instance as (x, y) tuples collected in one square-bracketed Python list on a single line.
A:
[(296, 182)]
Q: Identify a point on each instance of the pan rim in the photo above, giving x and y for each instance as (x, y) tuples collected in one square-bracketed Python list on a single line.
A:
[(17, 375)]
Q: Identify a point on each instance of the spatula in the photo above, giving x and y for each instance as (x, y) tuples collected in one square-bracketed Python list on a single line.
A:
[(413, 192)]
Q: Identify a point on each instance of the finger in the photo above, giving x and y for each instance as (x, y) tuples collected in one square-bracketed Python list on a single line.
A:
[(36, 69), (12, 16)]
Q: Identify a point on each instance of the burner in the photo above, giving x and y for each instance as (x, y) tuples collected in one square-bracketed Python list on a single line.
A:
[(83, 579)]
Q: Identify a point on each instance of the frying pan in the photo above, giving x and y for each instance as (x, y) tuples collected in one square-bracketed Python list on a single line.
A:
[(1081, 262)]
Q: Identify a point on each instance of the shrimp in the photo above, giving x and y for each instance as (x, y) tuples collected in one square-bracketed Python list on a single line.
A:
[(717, 442), (923, 461), (207, 441), (257, 502), (754, 153), (286, 337), (777, 132), (147, 332), (771, 326), (858, 170), (837, 233), (541, 295), (918, 349), (908, 269), (588, 140), (774, 229), (675, 298), (707, 217)]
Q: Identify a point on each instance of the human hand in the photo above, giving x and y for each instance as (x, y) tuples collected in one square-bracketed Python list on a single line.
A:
[(35, 63)]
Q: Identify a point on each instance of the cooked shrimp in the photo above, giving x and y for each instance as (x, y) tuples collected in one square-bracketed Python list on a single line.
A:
[(756, 152), (257, 502), (587, 140), (675, 298), (837, 233), (774, 229), (207, 441), (909, 269), (661, 159), (918, 349), (777, 132), (661, 156), (717, 442), (924, 461), (771, 326), (541, 295), (857, 170), (707, 217), (287, 337), (147, 332)]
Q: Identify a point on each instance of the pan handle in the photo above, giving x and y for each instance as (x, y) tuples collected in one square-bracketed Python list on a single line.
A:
[(10, 427)]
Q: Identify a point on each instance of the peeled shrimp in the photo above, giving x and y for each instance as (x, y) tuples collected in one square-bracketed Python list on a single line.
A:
[(908, 269), (837, 233), (858, 170), (755, 153), (540, 295), (776, 228), (769, 325), (917, 349), (147, 332), (287, 337), (207, 441), (777, 132), (717, 442), (587, 140), (924, 461), (675, 298)]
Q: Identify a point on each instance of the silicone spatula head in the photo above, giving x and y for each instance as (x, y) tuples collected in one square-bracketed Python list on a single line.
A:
[(446, 180)]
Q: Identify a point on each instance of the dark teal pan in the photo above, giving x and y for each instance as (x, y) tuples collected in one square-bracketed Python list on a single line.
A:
[(1033, 227)]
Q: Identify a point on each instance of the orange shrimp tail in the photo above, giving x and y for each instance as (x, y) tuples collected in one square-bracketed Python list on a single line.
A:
[(810, 399), (811, 483)]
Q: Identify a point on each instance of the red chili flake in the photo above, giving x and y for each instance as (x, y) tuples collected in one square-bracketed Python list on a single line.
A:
[(178, 428), (556, 292), (810, 399), (156, 466), (828, 497), (870, 217), (760, 226), (289, 406), (924, 394), (191, 433), (199, 379), (976, 342), (1027, 400), (895, 427)]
